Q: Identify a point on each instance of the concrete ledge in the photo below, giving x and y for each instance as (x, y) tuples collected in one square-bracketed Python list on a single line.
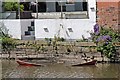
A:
[(82, 44)]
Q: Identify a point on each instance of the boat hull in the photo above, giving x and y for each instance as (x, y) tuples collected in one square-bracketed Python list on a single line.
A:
[(87, 63), (20, 62)]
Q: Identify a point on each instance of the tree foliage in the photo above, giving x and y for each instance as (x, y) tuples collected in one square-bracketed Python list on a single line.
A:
[(12, 6)]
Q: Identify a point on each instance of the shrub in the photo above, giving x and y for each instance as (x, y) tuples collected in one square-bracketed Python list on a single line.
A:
[(12, 6), (104, 39), (8, 44)]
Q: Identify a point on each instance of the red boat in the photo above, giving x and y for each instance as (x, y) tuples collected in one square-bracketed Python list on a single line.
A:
[(93, 62), (25, 63)]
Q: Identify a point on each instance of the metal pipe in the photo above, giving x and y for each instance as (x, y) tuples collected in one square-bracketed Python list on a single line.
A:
[(61, 9), (19, 9), (37, 8)]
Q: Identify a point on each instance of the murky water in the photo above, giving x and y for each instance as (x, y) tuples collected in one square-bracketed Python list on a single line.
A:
[(10, 69)]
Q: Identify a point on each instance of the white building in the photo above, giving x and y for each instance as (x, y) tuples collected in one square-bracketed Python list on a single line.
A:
[(67, 20)]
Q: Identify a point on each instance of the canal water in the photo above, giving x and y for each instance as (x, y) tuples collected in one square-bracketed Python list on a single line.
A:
[(10, 69)]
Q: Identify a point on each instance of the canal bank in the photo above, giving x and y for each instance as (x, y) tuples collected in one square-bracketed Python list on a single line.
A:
[(60, 57), (61, 51)]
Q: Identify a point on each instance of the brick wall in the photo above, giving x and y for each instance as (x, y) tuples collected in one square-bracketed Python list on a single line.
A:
[(119, 17), (108, 14)]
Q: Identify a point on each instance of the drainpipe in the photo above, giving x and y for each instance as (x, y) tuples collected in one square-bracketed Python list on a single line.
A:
[(19, 16), (60, 3), (19, 9), (1, 1), (61, 9)]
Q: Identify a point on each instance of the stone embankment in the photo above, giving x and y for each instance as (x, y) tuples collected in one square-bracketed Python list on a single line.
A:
[(63, 51)]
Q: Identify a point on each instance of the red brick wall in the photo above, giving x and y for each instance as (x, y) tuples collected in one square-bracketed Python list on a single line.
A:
[(108, 14), (119, 17)]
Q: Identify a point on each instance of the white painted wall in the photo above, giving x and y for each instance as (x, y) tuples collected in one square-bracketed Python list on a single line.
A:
[(14, 27), (79, 26)]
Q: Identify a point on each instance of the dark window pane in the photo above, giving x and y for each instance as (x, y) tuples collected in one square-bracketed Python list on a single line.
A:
[(46, 30), (64, 8), (26, 5), (41, 6), (27, 33), (85, 6), (33, 6), (70, 7), (32, 23), (58, 7), (30, 29), (70, 29), (78, 6), (51, 6)]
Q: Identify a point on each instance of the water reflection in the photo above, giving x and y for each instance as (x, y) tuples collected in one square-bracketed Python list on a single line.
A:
[(10, 69)]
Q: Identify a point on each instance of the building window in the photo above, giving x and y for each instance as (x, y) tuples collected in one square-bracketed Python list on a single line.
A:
[(67, 10), (32, 23), (58, 6), (85, 6), (27, 33), (70, 29), (41, 6), (30, 28), (68, 6), (46, 30), (71, 9)]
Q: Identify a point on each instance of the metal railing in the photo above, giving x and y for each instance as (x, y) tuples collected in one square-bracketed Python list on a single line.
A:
[(57, 15)]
